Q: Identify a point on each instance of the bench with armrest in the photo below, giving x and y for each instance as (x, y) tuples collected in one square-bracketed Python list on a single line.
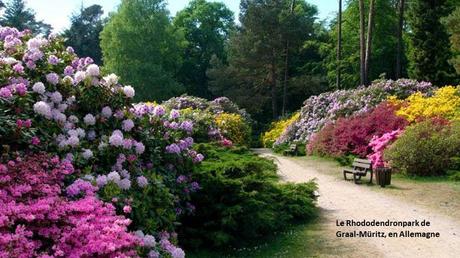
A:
[(359, 169), (292, 149)]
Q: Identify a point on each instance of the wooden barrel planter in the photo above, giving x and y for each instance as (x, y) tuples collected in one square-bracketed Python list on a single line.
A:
[(383, 176)]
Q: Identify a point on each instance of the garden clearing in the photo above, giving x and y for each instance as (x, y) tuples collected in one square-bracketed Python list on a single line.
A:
[(340, 201)]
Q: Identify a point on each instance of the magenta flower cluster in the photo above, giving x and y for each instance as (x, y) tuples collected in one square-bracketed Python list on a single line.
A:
[(378, 145), (34, 214), (60, 104)]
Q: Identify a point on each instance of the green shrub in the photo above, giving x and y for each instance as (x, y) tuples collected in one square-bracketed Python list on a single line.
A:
[(453, 175), (426, 148), (241, 199)]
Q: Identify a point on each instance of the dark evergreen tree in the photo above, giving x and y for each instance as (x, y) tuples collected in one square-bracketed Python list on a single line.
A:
[(453, 26), (83, 34), (17, 15), (429, 42), (256, 66)]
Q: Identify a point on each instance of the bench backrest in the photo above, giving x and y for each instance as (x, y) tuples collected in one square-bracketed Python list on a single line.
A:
[(362, 164)]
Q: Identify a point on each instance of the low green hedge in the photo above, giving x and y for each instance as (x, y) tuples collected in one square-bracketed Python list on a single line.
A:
[(241, 199)]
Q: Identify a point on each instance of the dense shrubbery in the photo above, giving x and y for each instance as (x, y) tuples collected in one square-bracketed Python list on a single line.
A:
[(241, 199), (219, 119), (234, 128), (131, 156), (35, 216), (352, 135), (277, 128), (426, 148), (328, 107), (86, 173)]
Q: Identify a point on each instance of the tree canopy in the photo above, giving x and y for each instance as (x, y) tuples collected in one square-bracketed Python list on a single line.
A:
[(140, 45), (257, 52), (17, 15), (83, 34), (206, 26)]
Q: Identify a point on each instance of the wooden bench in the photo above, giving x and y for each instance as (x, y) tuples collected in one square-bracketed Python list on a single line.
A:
[(291, 150), (359, 169)]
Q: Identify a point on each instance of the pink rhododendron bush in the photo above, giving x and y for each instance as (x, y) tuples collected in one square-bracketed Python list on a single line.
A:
[(131, 163), (353, 134), (36, 220)]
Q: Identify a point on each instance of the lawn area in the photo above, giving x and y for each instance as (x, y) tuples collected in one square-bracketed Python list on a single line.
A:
[(306, 240), (438, 193)]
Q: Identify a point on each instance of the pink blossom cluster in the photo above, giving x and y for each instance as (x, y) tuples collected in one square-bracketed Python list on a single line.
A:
[(60, 103), (378, 145), (36, 220)]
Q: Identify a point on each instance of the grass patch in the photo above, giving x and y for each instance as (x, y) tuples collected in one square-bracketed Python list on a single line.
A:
[(305, 240)]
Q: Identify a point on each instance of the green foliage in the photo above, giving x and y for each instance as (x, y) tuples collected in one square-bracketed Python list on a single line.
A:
[(83, 34), (206, 26), (139, 44), (429, 42), (452, 23), (17, 15), (454, 175), (241, 200), (256, 61), (383, 48), (425, 149)]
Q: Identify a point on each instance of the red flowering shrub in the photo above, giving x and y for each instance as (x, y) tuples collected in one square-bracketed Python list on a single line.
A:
[(36, 220), (352, 135)]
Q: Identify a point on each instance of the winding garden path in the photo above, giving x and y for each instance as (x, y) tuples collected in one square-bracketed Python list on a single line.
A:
[(341, 200)]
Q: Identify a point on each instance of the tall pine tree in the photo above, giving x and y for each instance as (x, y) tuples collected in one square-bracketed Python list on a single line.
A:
[(83, 34), (17, 15), (257, 55), (429, 42)]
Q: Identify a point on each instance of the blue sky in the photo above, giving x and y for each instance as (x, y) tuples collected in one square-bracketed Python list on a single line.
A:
[(57, 12)]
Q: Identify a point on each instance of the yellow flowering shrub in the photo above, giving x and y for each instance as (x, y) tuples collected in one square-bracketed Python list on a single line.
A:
[(444, 103), (277, 128), (234, 128)]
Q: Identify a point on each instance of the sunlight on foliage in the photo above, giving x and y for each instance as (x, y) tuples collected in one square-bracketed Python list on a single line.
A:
[(277, 128), (444, 103)]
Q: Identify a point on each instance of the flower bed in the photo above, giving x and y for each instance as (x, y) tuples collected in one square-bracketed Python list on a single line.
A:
[(133, 161), (221, 119), (328, 107), (277, 128), (352, 135)]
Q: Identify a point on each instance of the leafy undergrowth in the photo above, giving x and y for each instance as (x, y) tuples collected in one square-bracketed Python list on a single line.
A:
[(241, 200), (304, 240)]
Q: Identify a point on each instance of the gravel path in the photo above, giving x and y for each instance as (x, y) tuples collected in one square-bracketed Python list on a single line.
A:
[(341, 200)]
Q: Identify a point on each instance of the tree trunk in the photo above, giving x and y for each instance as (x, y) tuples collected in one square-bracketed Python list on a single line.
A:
[(286, 65), (370, 25), (399, 48), (273, 85), (362, 54), (339, 46)]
